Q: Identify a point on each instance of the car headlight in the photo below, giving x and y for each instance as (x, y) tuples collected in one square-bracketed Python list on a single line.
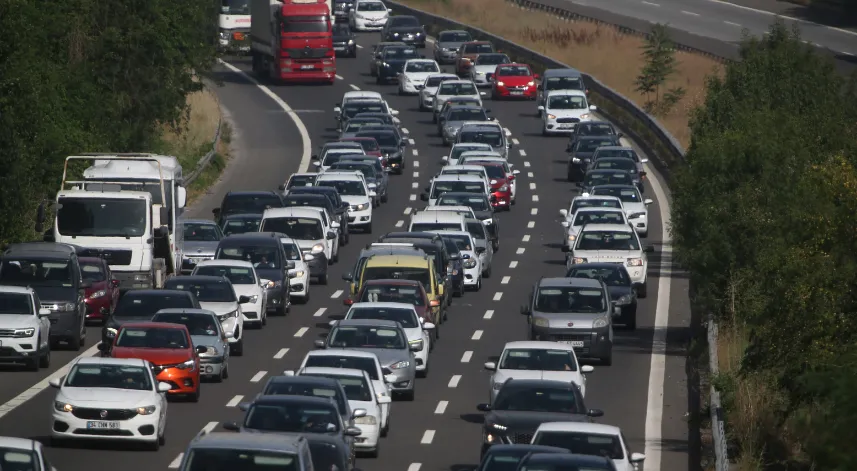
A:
[(577, 260), (636, 215), (188, 365), (111, 332), (23, 333), (471, 263), (317, 248), (224, 35), (600, 322), (572, 237), (143, 277), (418, 34), (395, 34), (501, 84), (551, 116), (541, 322), (531, 83), (209, 351), (400, 365), (63, 407), (63, 307), (624, 300), (503, 188), (98, 294), (254, 299), (361, 207), (496, 426), (635, 262), (350, 42), (300, 274), (146, 410), (224, 317), (366, 420)]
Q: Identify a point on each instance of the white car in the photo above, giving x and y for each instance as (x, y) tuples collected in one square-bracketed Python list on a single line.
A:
[(446, 183), (245, 282), (361, 395), (109, 399), (405, 314), (330, 156), (482, 70), (536, 360), (458, 149), (465, 211), (368, 362), (368, 15), (562, 111), (353, 190), (453, 88), (605, 440), (414, 75), (477, 170), (487, 132), (635, 206), (26, 452), (359, 95), (588, 215), (471, 263), (25, 327), (613, 243), (466, 158), (429, 88), (217, 294), (299, 275), (306, 226)]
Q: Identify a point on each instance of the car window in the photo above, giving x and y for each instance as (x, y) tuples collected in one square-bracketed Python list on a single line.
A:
[(205, 291), (241, 225), (406, 317), (298, 388), (151, 337), (360, 363), (194, 231), (83, 375), (570, 299), (203, 325), (292, 418), (207, 459), (608, 446), (360, 336), (422, 66), (538, 359), (598, 217), (93, 272), (626, 195), (567, 102), (537, 399), (235, 275), (607, 240), (131, 305), (612, 276), (261, 256), (16, 304)]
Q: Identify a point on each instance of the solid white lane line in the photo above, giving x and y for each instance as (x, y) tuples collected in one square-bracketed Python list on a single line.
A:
[(505, 280), (320, 312), (301, 331), (476, 335), (535, 198), (178, 461), (534, 211), (453, 382), (520, 250), (466, 357), (441, 407), (336, 294), (415, 466), (488, 314), (731, 23), (428, 436), (339, 77), (235, 401), (513, 264), (690, 13), (281, 353), (522, 152), (416, 174), (413, 197), (526, 238), (532, 186), (498, 295), (407, 211), (354, 87), (531, 224), (258, 376), (400, 223), (516, 142), (526, 164)]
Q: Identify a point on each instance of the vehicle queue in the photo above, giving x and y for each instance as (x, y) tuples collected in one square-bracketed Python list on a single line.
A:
[(263, 251)]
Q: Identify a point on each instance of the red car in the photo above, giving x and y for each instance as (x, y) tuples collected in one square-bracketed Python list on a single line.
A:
[(501, 186), (102, 296), (514, 81), (369, 144), (396, 291)]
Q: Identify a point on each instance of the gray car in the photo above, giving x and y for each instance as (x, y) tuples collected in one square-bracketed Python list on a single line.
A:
[(447, 45), (206, 331), (574, 311), (450, 122), (387, 340), (201, 237)]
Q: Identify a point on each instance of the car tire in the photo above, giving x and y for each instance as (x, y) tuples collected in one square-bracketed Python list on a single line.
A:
[(162, 440), (237, 348), (194, 397), (385, 198), (642, 291), (608, 360), (226, 369), (423, 373), (264, 319), (368, 228), (374, 453), (632, 323), (45, 358), (409, 395), (322, 279), (32, 364), (487, 273), (478, 284)]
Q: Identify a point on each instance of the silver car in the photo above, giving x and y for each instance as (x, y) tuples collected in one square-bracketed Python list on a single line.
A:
[(205, 331), (447, 45), (388, 341), (201, 237)]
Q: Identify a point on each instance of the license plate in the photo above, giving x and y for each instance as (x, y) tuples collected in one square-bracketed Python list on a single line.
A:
[(516, 93), (339, 48), (307, 67), (566, 126), (102, 425), (574, 343)]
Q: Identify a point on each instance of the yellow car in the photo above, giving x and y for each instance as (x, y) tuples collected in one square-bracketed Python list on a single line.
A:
[(407, 267)]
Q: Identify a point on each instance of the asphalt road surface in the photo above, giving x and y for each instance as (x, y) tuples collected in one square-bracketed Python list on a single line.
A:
[(645, 393)]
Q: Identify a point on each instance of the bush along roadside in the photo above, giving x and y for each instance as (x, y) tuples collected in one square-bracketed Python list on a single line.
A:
[(90, 76), (763, 217)]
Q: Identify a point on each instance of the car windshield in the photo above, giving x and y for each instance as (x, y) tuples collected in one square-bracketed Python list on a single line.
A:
[(457, 186), (235, 275), (570, 299), (537, 399), (478, 48), (108, 376), (462, 242), (152, 337), (352, 109), (376, 293), (597, 129), (406, 317), (503, 461), (453, 37), (456, 89), (611, 276), (261, 256), (238, 203), (514, 71), (355, 124), (384, 117), (208, 459), (467, 114), (594, 203), (492, 138), (400, 53), (205, 291), (16, 303), (459, 101), (131, 305), (47, 273), (422, 66), (435, 81), (367, 336), (296, 228), (371, 6), (292, 417), (566, 467), (627, 153), (400, 21), (358, 363), (305, 24), (332, 157), (564, 83), (102, 217), (202, 325), (608, 446), (19, 459), (598, 217), (538, 359), (607, 178), (626, 165), (435, 226), (451, 245), (295, 387), (369, 145), (626, 195), (492, 59), (608, 240), (367, 170), (93, 271), (589, 145), (567, 102), (383, 139), (495, 172), (399, 273), (197, 232), (356, 388), (477, 230), (345, 187), (241, 225)]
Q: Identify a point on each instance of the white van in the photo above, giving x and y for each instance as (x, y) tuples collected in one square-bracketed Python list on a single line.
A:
[(430, 221)]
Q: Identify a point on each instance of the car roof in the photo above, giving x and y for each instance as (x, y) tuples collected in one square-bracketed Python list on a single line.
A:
[(588, 196), (515, 64), (340, 144), (15, 443), (328, 370), (199, 221), (475, 168), (16, 289), (397, 260), (110, 361), (198, 279), (436, 216), (461, 193), (340, 176), (420, 59), (409, 235), (153, 325), (275, 442), (362, 94), (458, 177), (569, 72), (407, 306), (558, 282), (309, 379), (369, 322), (590, 209), (628, 148), (459, 81), (393, 282), (566, 93), (155, 292), (289, 399), (341, 352), (186, 310), (585, 427), (291, 211), (608, 227), (535, 344), (536, 383), (454, 233)]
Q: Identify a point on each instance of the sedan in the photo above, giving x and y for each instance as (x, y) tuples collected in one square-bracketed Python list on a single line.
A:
[(484, 66), (201, 237), (205, 331), (450, 123), (636, 208), (564, 110), (414, 75), (622, 164), (406, 29), (429, 88)]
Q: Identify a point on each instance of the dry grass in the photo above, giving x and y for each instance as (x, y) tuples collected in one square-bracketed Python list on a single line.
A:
[(601, 51), (192, 138)]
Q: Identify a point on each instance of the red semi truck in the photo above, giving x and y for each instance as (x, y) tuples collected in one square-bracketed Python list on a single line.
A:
[(292, 40)]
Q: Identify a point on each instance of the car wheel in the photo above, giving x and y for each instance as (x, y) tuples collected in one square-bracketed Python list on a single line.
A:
[(226, 369), (264, 318), (32, 364), (162, 440), (194, 397), (368, 228), (608, 360), (478, 284), (409, 395), (642, 291), (322, 279), (45, 359), (487, 273), (237, 348), (374, 453)]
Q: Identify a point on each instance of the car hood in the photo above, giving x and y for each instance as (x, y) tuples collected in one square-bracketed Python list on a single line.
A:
[(480, 243), (198, 247), (55, 294), (501, 376), (271, 274), (485, 69), (568, 113), (96, 287), (456, 125), (607, 256), (569, 320), (483, 215), (418, 77), (249, 290), (306, 245), (374, 14), (530, 421), (18, 321), (206, 341), (370, 406), (219, 308), (514, 80), (415, 333), (105, 397), (429, 91), (290, 434), (354, 199), (158, 356), (386, 356)]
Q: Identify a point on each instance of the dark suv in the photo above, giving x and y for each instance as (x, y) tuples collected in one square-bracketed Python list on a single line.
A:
[(140, 305), (266, 253), (236, 202)]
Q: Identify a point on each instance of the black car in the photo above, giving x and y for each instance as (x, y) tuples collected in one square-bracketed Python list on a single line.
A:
[(357, 107), (406, 29), (507, 457), (341, 9), (619, 285), (309, 200), (565, 461), (266, 253), (330, 453), (240, 223), (392, 62), (344, 40), (235, 202), (392, 147), (591, 128), (605, 177), (581, 153), (140, 305), (522, 405), (457, 266), (340, 208)]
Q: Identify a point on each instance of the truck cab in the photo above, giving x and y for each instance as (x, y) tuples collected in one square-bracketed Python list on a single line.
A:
[(233, 25)]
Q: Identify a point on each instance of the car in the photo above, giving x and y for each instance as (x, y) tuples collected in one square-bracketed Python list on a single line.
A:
[(522, 405), (465, 211), (458, 149), (140, 305), (620, 164), (467, 100), (471, 265), (589, 215), (397, 291), (340, 208), (211, 450), (344, 40), (484, 245), (454, 183), (587, 200), (592, 128), (563, 110), (574, 311), (205, 330), (559, 462), (242, 202), (454, 88), (357, 193), (216, 293), (536, 360), (246, 282), (392, 61), (514, 81), (447, 44), (468, 52), (299, 276), (415, 328), (103, 292), (356, 108), (560, 79), (332, 151), (241, 223), (481, 207), (200, 238), (581, 152), (391, 146), (24, 451), (290, 384), (636, 208), (417, 266), (167, 348), (330, 453), (388, 341), (429, 87), (450, 122), (315, 201), (490, 133), (404, 28), (433, 246), (476, 157), (353, 275), (488, 160), (358, 95), (265, 252), (377, 50), (297, 180), (387, 117), (476, 170), (620, 151), (355, 124), (613, 243), (369, 146), (586, 438), (619, 285), (368, 15), (312, 228), (599, 177), (507, 457), (340, 10), (485, 65), (500, 182), (25, 327), (436, 221), (414, 74), (109, 399), (381, 172)]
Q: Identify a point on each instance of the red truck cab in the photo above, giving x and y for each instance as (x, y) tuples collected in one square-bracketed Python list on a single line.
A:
[(292, 40)]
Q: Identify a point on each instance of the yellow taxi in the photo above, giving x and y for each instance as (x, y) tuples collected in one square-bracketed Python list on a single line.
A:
[(406, 267)]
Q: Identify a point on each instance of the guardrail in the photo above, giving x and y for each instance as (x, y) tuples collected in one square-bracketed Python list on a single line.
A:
[(205, 160)]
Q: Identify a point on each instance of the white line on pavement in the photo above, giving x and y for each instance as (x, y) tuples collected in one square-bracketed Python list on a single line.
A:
[(441, 407), (415, 185), (532, 186), (453, 382), (516, 142), (400, 223), (534, 211), (535, 198), (339, 77), (513, 264), (428, 436), (522, 152), (526, 238), (416, 154), (732, 23), (405, 131), (690, 13), (235, 401), (301, 331), (258, 376), (505, 280), (526, 164), (466, 357), (415, 466), (488, 314), (354, 87), (320, 312), (411, 142), (416, 174), (359, 47), (407, 211), (530, 174), (476, 335), (176, 462), (520, 250), (498, 295), (651, 4), (336, 294), (531, 224), (281, 353), (413, 197)]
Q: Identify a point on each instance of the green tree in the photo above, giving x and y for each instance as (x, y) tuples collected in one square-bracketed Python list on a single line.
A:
[(659, 54)]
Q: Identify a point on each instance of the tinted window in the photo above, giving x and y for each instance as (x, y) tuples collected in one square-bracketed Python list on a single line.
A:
[(94, 272), (567, 102), (296, 228), (399, 21), (514, 71), (478, 48), (598, 217), (570, 299), (467, 114), (238, 203), (611, 276), (492, 138), (399, 273), (457, 88), (607, 446), (16, 303), (236, 275), (293, 417), (627, 194), (366, 364), (131, 305), (406, 317), (207, 459), (537, 399), (203, 325), (453, 37), (102, 217), (456, 186), (538, 359), (306, 24), (194, 231), (297, 388), (475, 202), (607, 240), (210, 292), (360, 336), (589, 145), (47, 273), (377, 293), (627, 165), (108, 376), (261, 256), (356, 388), (152, 337), (421, 66), (241, 225), (564, 83), (492, 59)]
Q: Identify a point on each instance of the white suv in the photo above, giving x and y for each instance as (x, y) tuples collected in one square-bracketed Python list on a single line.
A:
[(24, 328), (352, 188)]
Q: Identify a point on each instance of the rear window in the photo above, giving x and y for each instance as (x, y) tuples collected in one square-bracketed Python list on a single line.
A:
[(435, 226)]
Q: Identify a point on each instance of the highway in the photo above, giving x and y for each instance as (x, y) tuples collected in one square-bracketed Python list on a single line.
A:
[(644, 393)]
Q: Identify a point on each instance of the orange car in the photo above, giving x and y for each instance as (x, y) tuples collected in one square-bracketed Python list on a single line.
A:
[(468, 52), (168, 347)]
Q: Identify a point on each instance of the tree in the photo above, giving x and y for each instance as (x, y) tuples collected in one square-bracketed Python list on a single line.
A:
[(659, 54)]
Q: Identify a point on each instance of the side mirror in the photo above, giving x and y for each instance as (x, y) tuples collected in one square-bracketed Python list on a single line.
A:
[(516, 172), (229, 334), (445, 158), (587, 369), (201, 349), (490, 366), (637, 458), (314, 157), (103, 347), (290, 265), (347, 276), (281, 187), (537, 77), (319, 344), (55, 382), (564, 224), (417, 346), (384, 400), (309, 257), (424, 196), (617, 311), (357, 413), (164, 387), (394, 112), (115, 283), (525, 310), (47, 312), (595, 413), (243, 299), (455, 257), (483, 94), (644, 161), (579, 184), (428, 326), (86, 284), (353, 432), (348, 301), (390, 11), (390, 379), (289, 373), (215, 211), (563, 213), (541, 108), (331, 323), (483, 407), (337, 110), (648, 201), (592, 107), (181, 196), (332, 235), (649, 249), (244, 406), (231, 426), (372, 193), (620, 135)]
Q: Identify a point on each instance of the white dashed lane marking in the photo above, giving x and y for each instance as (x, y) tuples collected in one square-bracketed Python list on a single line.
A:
[(532, 186), (453, 382), (416, 162), (476, 335), (534, 211), (465, 358), (428, 436), (400, 223), (359, 47), (651, 4), (405, 131), (530, 174), (413, 197), (526, 238), (258, 376), (416, 174), (320, 312), (339, 77), (531, 224), (441, 408), (235, 401), (176, 462), (336, 294), (301, 331), (498, 295), (505, 280), (408, 211), (488, 314), (416, 154), (526, 164), (354, 87), (522, 152), (690, 13), (535, 198), (415, 467), (516, 142), (415, 185), (411, 142), (281, 353), (520, 250), (513, 264), (731, 23)]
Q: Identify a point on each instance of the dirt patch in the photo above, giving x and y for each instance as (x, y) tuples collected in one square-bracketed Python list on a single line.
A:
[(193, 137)]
